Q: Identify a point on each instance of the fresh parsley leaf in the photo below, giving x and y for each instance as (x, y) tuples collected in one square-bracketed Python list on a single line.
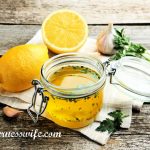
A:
[(124, 47), (112, 125), (106, 125)]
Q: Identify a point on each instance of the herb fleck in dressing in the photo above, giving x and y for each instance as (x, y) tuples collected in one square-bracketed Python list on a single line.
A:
[(74, 112)]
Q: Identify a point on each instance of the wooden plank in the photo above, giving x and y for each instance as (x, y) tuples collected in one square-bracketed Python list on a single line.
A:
[(94, 11), (139, 139), (140, 124), (128, 142), (12, 35)]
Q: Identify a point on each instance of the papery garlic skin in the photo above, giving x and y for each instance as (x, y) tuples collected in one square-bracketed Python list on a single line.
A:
[(11, 112), (105, 44)]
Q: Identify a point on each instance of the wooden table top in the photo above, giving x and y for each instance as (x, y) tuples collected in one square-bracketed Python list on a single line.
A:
[(20, 19)]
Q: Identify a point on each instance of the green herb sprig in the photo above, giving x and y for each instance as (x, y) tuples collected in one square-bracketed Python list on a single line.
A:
[(112, 125), (124, 47)]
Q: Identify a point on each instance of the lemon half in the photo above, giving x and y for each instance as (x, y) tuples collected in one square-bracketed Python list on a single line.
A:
[(64, 31)]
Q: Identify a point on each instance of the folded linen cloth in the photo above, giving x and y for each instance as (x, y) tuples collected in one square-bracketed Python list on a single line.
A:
[(113, 99)]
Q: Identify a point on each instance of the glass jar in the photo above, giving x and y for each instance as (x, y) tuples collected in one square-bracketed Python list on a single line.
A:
[(77, 107), (72, 107)]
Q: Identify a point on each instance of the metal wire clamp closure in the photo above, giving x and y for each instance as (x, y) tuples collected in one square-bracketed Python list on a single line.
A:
[(38, 90), (111, 73)]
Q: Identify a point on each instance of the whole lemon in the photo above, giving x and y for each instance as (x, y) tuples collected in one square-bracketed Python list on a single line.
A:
[(20, 65)]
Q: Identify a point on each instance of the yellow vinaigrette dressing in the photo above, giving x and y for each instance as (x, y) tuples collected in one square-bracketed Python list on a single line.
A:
[(74, 112)]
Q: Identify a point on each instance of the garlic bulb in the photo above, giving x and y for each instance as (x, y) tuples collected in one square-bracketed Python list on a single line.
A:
[(105, 39)]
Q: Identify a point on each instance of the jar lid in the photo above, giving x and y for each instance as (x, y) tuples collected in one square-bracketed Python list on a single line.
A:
[(133, 74)]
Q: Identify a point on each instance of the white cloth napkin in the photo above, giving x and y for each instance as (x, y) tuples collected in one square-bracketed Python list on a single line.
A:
[(113, 99)]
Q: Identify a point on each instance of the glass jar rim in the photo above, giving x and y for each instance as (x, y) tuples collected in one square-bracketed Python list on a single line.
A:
[(61, 57), (127, 65)]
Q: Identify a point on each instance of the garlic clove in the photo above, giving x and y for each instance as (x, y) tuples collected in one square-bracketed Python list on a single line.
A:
[(11, 112), (105, 44)]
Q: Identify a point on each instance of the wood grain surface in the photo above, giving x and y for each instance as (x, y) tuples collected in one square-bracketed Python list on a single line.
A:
[(136, 138), (12, 35), (94, 11), (21, 19)]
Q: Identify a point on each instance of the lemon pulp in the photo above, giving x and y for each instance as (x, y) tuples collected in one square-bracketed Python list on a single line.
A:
[(64, 31)]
